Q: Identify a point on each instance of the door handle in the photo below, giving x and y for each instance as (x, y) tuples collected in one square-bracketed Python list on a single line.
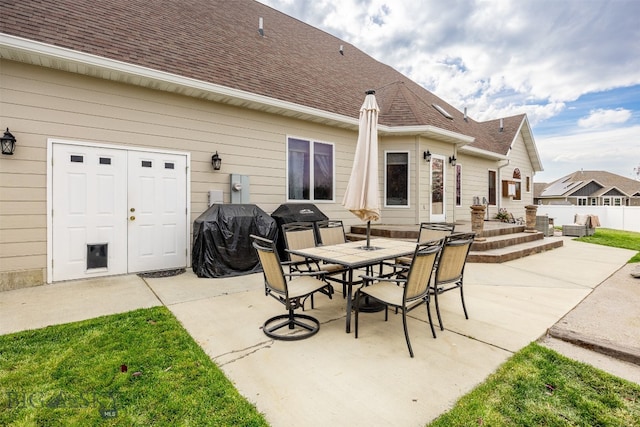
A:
[(132, 218)]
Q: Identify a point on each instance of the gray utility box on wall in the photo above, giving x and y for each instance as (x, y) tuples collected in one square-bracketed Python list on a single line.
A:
[(239, 188)]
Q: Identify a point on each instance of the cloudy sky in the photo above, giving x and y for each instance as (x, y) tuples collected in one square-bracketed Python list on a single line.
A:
[(572, 65)]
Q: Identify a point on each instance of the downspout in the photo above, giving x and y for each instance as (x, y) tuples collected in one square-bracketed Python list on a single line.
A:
[(498, 190)]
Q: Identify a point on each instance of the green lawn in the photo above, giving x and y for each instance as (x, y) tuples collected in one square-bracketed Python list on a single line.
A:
[(617, 239), (539, 387), (73, 375)]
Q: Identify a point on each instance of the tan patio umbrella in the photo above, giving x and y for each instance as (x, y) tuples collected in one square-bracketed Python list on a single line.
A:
[(361, 196)]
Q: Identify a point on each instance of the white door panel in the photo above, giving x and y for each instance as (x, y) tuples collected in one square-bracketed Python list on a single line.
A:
[(158, 211), (117, 211), (88, 220)]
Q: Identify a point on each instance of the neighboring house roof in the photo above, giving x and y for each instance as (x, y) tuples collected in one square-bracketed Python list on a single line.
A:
[(606, 182), (538, 188), (214, 44)]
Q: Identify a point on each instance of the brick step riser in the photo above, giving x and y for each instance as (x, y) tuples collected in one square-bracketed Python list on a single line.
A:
[(413, 234), (478, 253), (479, 257), (504, 243)]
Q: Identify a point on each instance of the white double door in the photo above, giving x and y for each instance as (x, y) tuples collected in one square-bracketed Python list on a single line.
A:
[(117, 211)]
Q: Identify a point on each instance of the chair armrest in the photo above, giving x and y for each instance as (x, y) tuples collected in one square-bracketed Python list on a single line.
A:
[(366, 278), (306, 273)]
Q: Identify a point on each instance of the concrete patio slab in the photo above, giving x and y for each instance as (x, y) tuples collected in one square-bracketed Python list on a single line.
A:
[(333, 378), (40, 306)]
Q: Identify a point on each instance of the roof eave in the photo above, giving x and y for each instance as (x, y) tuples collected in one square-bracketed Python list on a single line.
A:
[(46, 55), (532, 149), (477, 152), (427, 131)]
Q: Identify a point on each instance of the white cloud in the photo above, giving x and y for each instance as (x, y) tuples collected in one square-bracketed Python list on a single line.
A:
[(500, 58), (616, 151), (491, 56), (601, 118)]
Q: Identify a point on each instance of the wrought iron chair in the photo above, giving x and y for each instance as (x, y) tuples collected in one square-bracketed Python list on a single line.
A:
[(430, 231), (331, 232), (449, 273), (292, 293), (413, 292), (301, 235)]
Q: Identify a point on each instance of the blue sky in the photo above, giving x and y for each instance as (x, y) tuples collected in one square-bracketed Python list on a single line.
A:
[(573, 66)]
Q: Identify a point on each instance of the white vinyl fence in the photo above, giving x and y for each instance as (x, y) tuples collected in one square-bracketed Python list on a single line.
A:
[(625, 218)]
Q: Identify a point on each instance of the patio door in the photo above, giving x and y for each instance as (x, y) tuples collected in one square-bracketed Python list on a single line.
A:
[(157, 211), (116, 211), (437, 202)]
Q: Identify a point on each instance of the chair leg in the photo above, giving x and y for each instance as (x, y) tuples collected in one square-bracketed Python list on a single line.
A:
[(357, 304), (406, 331), (435, 298), (291, 321), (463, 306), (433, 331)]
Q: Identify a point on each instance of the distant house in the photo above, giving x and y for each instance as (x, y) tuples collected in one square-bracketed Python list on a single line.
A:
[(118, 107), (589, 188)]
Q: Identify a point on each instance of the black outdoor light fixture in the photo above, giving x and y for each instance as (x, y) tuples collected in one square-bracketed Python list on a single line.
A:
[(216, 161), (452, 160), (427, 156), (8, 142)]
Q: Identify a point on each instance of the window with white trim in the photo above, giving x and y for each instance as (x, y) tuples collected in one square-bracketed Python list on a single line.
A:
[(310, 170), (492, 187), (396, 178), (517, 181)]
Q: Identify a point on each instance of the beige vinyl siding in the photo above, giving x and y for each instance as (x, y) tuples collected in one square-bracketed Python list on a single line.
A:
[(475, 178), (519, 158), (39, 104)]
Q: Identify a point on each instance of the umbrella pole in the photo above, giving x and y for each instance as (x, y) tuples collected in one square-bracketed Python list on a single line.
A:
[(368, 234)]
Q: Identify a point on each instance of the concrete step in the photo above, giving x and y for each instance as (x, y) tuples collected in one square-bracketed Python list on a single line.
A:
[(505, 240), (498, 242), (516, 251)]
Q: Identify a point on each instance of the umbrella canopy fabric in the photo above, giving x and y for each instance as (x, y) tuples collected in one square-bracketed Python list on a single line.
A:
[(361, 196)]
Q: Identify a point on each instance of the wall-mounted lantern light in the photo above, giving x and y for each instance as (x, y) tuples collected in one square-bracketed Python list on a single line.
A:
[(426, 156), (452, 160), (216, 161), (8, 143)]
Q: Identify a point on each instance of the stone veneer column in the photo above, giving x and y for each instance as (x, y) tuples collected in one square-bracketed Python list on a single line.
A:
[(531, 211), (477, 220)]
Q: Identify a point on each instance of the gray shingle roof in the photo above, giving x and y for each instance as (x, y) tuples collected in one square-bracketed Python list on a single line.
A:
[(218, 42), (569, 183)]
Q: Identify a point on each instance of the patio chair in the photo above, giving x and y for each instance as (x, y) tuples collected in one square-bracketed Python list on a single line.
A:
[(430, 231), (449, 273), (582, 226), (331, 232), (301, 235), (292, 293), (414, 289)]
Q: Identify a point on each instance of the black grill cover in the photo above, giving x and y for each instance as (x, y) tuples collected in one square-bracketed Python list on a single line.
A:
[(221, 243), (295, 212)]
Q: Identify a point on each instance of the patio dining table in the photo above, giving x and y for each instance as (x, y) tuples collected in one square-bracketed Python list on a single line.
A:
[(355, 255)]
